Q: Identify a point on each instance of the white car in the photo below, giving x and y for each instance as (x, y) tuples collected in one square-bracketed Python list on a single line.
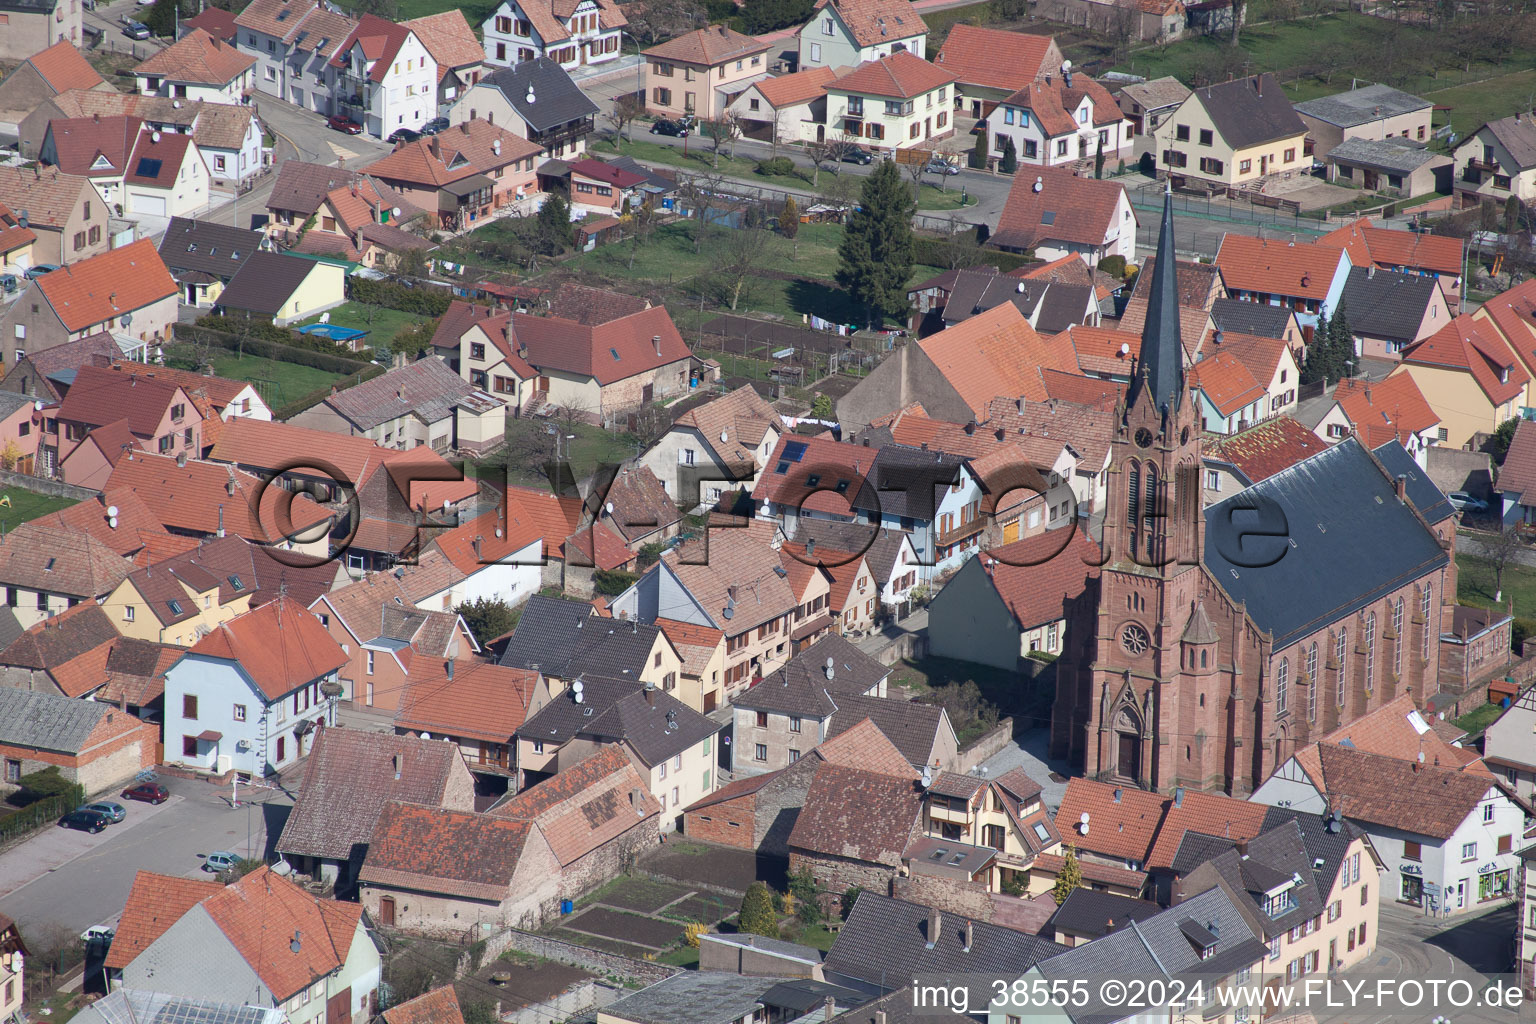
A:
[(97, 931), (1461, 501)]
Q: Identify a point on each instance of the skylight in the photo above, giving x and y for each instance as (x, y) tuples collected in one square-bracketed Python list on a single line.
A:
[(813, 479), (1048, 217), (175, 607), (794, 451), (235, 582), (148, 167), (615, 353), (1042, 832)]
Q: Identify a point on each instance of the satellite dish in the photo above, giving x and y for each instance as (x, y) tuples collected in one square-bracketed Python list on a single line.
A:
[(155, 137), (127, 319), (609, 507), (37, 406), (1066, 65), (927, 776), (724, 436), (730, 610), (426, 735), (395, 212), (1039, 184), (1083, 818), (112, 522), (498, 531), (577, 697), (112, 511), (578, 686)]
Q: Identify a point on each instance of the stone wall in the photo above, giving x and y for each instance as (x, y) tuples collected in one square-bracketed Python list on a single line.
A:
[(605, 964), (585, 995), (990, 743), (839, 874), (966, 899), (728, 823), (41, 485)]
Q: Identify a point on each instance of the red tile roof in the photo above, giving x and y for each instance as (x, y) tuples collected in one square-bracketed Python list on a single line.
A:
[(1122, 828), (584, 806), (1398, 729), (801, 87), (608, 352), (1074, 387), (995, 353), (877, 21), (902, 74), (154, 904), (261, 913), (202, 497), (1226, 382), (466, 149), (136, 525), (63, 67), (1055, 104), (857, 815), (1293, 269), (440, 1006), (1390, 249), (482, 701), (597, 170), (994, 58), (492, 537), (1262, 451), (100, 396), (1066, 207), (81, 143), (105, 286), (1474, 346), (1513, 313), (1212, 814), (216, 21), (379, 40), (1395, 404), (1038, 576), (12, 235), (1518, 474), (830, 460), (449, 39), (281, 646), (1395, 792), (200, 59), (864, 747), (708, 47), (431, 849)]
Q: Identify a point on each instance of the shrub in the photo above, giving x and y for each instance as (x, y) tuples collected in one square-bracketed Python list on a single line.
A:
[(612, 582), (423, 300), (807, 896), (779, 165), (1114, 266), (757, 912), (1519, 631), (40, 785), (849, 899), (1010, 161), (692, 932)]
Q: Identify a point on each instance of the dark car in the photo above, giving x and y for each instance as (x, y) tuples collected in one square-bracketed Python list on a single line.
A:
[(85, 821), (150, 792), (345, 124), (136, 30), (403, 135), (855, 155), (33, 273), (436, 126), (676, 129)]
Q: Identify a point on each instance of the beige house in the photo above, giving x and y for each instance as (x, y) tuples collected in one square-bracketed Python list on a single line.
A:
[(1469, 375), (283, 288), (30, 28), (718, 446), (172, 609), (1001, 822), (126, 291), (1236, 132), (66, 212), (1370, 113), (786, 108), (701, 650), (897, 102), (45, 70), (1498, 160), (702, 72), (420, 403)]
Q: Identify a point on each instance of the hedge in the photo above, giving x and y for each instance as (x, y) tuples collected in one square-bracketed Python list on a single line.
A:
[(44, 812), (41, 785), (423, 300), (256, 344), (932, 252), (288, 410), (611, 583)]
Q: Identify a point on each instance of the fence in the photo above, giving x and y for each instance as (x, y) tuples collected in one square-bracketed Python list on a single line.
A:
[(1150, 197), (44, 812), (606, 964)]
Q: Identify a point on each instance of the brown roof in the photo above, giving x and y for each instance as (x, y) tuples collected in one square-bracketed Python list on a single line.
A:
[(94, 146), (1038, 577), (439, 1006), (586, 805), (59, 561), (12, 235), (275, 18), (901, 74), (260, 913), (449, 39), (733, 424), (877, 21), (857, 815), (994, 58), (154, 904), (607, 352), (105, 286), (216, 21), (1473, 345), (482, 701), (1123, 827), (220, 390), (1398, 729), (1226, 381), (711, 568), (48, 195), (591, 306), (1066, 207), (1297, 269), (1390, 249), (1518, 474), (221, 126), (1209, 813), (1262, 451), (863, 746), (379, 39), (1054, 103), (801, 87), (280, 646), (100, 396), (1395, 404), (637, 505), (995, 353), (200, 59), (129, 536), (708, 47), (302, 187), (71, 648), (1199, 284), (197, 496), (431, 849), (1394, 792), (466, 149), (63, 67)]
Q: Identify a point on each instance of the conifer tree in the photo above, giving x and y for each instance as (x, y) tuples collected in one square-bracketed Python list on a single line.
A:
[(1069, 878), (757, 917), (876, 252), (1010, 162)]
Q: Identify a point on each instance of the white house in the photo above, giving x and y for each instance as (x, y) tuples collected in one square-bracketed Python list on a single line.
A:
[(498, 555), (847, 33), (293, 43), (1056, 213), (249, 695), (198, 67), (1061, 119), (716, 446), (385, 77), (230, 140), (569, 33), (1507, 746), (1447, 836)]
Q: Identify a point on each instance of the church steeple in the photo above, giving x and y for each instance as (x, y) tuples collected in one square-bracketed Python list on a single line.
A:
[(1160, 376)]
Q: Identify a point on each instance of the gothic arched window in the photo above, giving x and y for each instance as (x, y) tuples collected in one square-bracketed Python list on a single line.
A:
[(1429, 628), (1370, 651), (1341, 650), (1282, 686)]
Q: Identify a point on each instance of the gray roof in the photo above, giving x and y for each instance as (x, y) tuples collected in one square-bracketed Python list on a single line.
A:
[(1349, 543), (904, 481), (565, 640), (1195, 848), (880, 547), (1272, 859), (694, 997), (556, 98), (427, 388), (562, 718), (46, 721), (1161, 369), (1064, 305), (1359, 106), (202, 245), (1091, 912), (1255, 318), (1321, 844), (1426, 496), (810, 954), (1387, 304), (1249, 111), (975, 290), (1158, 93), (884, 944), (132, 1006), (11, 401), (805, 994), (910, 726), (1395, 156), (265, 282), (1516, 134), (801, 687), (653, 723)]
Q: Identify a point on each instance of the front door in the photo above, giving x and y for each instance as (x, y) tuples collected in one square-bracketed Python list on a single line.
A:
[(1129, 761), (282, 749), (1263, 165), (338, 1008), (648, 393), (387, 911)]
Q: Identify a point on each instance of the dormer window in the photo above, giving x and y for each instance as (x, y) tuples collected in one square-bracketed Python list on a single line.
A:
[(1503, 375)]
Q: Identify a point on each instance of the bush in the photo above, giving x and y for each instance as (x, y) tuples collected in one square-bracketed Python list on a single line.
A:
[(423, 300), (757, 912), (849, 899), (779, 165), (40, 785), (807, 893), (612, 582), (933, 252), (1519, 631), (1114, 266), (287, 346)]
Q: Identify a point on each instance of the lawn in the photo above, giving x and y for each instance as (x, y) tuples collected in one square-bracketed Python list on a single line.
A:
[(26, 506), (386, 323), (276, 381), (1475, 585), (591, 447), (1478, 719), (1027, 700)]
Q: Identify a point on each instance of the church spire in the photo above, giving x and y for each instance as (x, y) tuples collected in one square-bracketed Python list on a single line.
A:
[(1162, 352)]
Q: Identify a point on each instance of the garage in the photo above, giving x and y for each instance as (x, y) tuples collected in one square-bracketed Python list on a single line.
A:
[(147, 206)]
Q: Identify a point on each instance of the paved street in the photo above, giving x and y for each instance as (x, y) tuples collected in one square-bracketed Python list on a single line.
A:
[(87, 878)]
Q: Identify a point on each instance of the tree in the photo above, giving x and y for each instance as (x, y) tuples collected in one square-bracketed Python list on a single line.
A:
[(1069, 878), (1342, 341), (875, 256), (626, 108), (720, 132), (10, 455), (554, 235), (744, 250), (1317, 367), (1010, 161), (1498, 444), (642, 225), (1499, 550), (821, 407), (821, 151), (757, 912), (849, 899), (412, 262), (915, 171), (979, 154), (488, 617), (1239, 8), (807, 893), (789, 218), (658, 20), (389, 10), (701, 193), (1512, 216), (161, 18)]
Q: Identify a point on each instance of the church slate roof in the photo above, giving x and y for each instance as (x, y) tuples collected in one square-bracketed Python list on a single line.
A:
[(1335, 540), (1429, 499), (1162, 355)]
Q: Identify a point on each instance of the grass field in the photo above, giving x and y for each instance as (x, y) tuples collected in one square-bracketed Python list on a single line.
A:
[(386, 322), (26, 506), (592, 447), (276, 381), (1475, 585)]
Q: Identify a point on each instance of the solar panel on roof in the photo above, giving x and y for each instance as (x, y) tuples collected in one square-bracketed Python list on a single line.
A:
[(1048, 217), (794, 451), (149, 167)]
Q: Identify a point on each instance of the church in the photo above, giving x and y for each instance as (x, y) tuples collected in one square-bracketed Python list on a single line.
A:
[(1216, 641)]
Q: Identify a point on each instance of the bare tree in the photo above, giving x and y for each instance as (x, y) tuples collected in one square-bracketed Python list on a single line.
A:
[(656, 20), (702, 194), (744, 251), (626, 108), (958, 245), (776, 131), (915, 170), (1499, 551), (721, 132), (642, 224), (822, 151)]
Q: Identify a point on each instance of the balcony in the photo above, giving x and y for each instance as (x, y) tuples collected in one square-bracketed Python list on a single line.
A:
[(1482, 165), (939, 812), (962, 532), (568, 132)]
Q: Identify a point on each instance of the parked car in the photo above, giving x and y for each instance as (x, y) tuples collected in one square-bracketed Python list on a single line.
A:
[(855, 155), (342, 123), (33, 273), (676, 129), (940, 167), (8, 283), (97, 931), (1461, 501), (403, 135), (85, 821), (136, 30), (221, 861), (436, 126), (149, 792), (114, 811)]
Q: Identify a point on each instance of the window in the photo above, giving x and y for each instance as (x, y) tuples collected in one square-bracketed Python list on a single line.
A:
[(1341, 647), (370, 663), (476, 350), (826, 26), (128, 613), (189, 746), (1487, 813), (815, 52), (1335, 910), (13, 773), (189, 706), (79, 239), (1205, 136), (1290, 154), (1370, 651), (663, 769), (1274, 948), (1181, 132), (794, 726), (762, 719), (1412, 851), (1469, 851), (1061, 147), (1282, 686), (761, 753), (239, 712), (1424, 604), (663, 96), (1501, 181), (1244, 166), (1210, 165), (95, 234), (677, 763)]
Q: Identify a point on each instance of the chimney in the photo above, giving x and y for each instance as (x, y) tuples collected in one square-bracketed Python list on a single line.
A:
[(650, 696), (1370, 271), (967, 936), (1401, 486), (436, 147), (448, 669), (1242, 848), (831, 1008), (181, 458), (656, 340), (221, 520), (935, 925), (1258, 84), (1178, 796), (879, 1017)]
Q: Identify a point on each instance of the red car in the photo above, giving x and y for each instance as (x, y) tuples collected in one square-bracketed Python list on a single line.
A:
[(345, 124), (150, 792)]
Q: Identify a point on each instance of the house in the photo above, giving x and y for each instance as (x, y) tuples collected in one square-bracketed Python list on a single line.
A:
[(1061, 119), (92, 744), (47, 374), (452, 46), (922, 733), (558, 119), (420, 403), (899, 101), (957, 295), (1230, 398), (160, 416), (1055, 213), (333, 975), (1390, 166), (12, 953), (603, 188), (1012, 600), (1388, 311), (847, 33), (478, 707), (203, 257), (714, 447), (66, 212), (1497, 161), (216, 22), (717, 62), (1470, 377), (15, 239), (283, 289), (1148, 104), (1309, 277), (565, 641), (1241, 459), (327, 198), (293, 44), (384, 76), (144, 171), (44, 39), (702, 651), (1236, 132), (1475, 646), (785, 108), (1409, 252), (983, 833), (1159, 21), (64, 655), (198, 66), (106, 292), (1088, 914), (854, 827), (892, 563), (935, 497), (46, 570), (268, 666), (1380, 411), (350, 777), (637, 506), (850, 597), (1369, 113), (1506, 749), (465, 173), (1447, 852), (1235, 316), (727, 997), (572, 33), (790, 711), (991, 64)]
